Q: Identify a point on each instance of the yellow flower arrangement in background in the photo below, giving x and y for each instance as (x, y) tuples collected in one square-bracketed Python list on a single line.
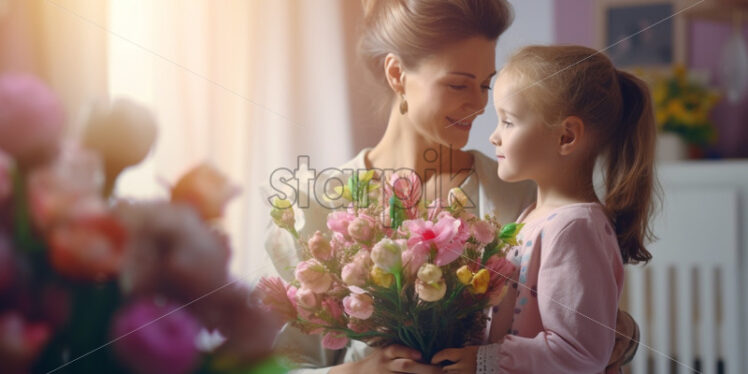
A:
[(682, 106)]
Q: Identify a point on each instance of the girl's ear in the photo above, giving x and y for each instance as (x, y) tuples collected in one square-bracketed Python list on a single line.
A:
[(571, 134), (395, 73)]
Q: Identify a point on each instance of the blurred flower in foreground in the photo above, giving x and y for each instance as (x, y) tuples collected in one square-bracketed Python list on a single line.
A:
[(122, 132), (31, 119), (66, 188), (170, 252), (205, 189), (20, 341), (88, 248), (156, 339), (6, 178)]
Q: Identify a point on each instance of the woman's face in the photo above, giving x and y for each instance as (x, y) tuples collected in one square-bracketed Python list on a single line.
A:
[(445, 92)]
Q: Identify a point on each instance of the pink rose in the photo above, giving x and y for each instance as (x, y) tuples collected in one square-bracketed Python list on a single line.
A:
[(332, 307), (319, 246), (313, 275), (356, 272), (338, 221), (334, 341), (32, 119), (306, 298), (361, 229), (360, 306), (484, 232)]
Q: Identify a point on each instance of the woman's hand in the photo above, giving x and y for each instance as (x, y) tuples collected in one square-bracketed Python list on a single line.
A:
[(391, 359), (462, 360)]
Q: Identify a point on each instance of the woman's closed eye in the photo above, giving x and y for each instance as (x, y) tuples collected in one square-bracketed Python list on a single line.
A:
[(459, 87), (506, 123)]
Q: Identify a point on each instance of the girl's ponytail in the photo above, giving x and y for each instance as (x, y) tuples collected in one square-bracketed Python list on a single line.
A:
[(630, 177)]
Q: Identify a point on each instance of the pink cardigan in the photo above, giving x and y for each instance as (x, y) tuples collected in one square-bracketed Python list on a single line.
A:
[(560, 316)]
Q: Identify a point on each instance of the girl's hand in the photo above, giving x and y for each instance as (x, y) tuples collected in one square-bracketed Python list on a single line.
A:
[(459, 360), (391, 359)]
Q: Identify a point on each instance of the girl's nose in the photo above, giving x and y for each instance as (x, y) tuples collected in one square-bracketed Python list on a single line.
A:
[(495, 138)]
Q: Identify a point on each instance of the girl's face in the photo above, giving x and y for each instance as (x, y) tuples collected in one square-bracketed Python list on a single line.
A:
[(448, 90), (526, 147)]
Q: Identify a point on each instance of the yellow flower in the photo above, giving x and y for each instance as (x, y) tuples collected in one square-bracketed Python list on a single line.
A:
[(381, 277), (366, 176), (429, 273), (675, 108), (679, 71), (661, 117), (281, 203), (342, 191), (457, 199), (659, 93), (480, 281), (464, 275)]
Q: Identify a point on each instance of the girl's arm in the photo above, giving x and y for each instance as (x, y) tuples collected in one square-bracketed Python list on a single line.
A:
[(579, 284)]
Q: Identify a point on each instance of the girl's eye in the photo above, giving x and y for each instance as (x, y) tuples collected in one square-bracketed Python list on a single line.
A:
[(506, 123), (456, 87), (487, 88)]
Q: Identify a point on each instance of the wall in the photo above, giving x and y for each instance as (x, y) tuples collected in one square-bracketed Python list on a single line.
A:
[(575, 23)]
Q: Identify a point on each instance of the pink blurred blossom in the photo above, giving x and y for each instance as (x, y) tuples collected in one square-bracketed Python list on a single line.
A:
[(31, 119), (153, 338), (333, 340), (6, 179)]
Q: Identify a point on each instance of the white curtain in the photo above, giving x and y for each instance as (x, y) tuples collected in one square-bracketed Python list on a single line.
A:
[(245, 84)]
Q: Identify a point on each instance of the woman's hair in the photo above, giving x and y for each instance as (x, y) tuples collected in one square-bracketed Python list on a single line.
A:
[(616, 108), (416, 29)]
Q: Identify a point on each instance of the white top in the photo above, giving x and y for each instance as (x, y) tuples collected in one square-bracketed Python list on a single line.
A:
[(489, 194)]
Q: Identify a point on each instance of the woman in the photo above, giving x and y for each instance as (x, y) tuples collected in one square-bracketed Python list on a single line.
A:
[(434, 61)]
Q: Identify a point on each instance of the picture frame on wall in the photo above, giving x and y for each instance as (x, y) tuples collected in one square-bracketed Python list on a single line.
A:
[(646, 34)]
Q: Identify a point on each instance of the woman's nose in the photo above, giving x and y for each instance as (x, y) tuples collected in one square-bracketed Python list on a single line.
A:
[(477, 102)]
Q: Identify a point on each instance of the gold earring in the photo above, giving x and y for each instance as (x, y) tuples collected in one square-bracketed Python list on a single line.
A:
[(403, 104)]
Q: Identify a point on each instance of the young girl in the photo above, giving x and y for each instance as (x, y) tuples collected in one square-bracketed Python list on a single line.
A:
[(560, 108)]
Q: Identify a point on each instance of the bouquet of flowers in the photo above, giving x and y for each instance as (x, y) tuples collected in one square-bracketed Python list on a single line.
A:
[(682, 106), (395, 269), (90, 283)]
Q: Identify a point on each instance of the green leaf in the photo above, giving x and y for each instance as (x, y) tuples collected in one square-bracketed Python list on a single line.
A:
[(509, 232)]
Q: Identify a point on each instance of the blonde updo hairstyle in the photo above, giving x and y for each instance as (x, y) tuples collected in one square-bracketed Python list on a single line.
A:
[(616, 108), (416, 29)]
